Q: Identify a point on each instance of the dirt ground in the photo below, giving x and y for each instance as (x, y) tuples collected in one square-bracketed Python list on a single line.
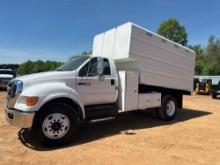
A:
[(193, 138)]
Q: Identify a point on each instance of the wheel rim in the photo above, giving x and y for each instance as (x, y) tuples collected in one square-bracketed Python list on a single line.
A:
[(56, 125), (170, 108)]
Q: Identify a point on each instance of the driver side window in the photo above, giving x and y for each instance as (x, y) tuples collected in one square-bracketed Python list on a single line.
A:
[(92, 68), (93, 71), (84, 70)]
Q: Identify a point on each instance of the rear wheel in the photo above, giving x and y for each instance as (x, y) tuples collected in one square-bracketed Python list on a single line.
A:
[(168, 108), (56, 124)]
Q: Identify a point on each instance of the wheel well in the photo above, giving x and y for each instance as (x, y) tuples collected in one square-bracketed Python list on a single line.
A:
[(66, 101)]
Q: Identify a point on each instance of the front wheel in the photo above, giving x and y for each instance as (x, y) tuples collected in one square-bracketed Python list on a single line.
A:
[(56, 124), (168, 108)]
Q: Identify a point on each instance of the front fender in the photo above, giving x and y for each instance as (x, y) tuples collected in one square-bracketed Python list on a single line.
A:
[(47, 92)]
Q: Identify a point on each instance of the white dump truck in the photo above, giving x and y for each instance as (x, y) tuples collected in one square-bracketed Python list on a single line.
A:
[(130, 69)]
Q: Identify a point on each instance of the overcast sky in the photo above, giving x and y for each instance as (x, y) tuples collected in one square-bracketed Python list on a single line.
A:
[(58, 29)]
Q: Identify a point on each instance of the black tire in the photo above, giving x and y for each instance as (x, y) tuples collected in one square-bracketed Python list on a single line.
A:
[(214, 96), (53, 109), (163, 113)]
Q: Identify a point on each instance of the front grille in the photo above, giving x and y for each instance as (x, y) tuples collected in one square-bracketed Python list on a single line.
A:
[(4, 80)]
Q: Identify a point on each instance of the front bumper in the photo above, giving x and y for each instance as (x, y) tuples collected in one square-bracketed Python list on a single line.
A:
[(19, 118)]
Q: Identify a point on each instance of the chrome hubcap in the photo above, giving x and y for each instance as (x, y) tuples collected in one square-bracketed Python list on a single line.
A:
[(55, 125), (170, 108)]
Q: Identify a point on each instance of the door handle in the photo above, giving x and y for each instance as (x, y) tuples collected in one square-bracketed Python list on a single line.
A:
[(84, 83)]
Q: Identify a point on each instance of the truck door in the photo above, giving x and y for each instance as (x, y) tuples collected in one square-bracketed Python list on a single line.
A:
[(95, 82)]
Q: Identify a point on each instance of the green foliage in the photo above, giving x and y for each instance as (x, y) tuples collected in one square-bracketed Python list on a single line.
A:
[(29, 67), (208, 58), (37, 66), (212, 57), (197, 48), (200, 58), (172, 30)]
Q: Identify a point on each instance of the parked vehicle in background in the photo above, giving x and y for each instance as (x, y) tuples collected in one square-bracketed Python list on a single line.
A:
[(130, 69), (207, 85), (203, 86), (5, 76)]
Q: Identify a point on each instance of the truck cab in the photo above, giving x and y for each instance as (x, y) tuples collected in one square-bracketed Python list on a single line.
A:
[(86, 80), (82, 86)]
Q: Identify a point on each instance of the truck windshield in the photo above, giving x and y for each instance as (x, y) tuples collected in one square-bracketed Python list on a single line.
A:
[(73, 63), (6, 72)]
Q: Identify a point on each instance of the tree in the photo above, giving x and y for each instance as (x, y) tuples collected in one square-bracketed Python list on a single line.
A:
[(200, 58), (173, 30), (212, 56), (198, 49), (208, 58), (29, 67), (37, 66)]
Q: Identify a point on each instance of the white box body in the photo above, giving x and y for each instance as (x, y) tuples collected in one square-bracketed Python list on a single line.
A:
[(149, 100), (160, 61), (130, 99), (128, 90)]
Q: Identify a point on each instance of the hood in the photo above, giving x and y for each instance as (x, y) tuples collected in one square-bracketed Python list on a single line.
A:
[(46, 77), (6, 76)]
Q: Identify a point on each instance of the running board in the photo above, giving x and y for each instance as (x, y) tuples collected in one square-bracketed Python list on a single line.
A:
[(102, 119), (100, 111)]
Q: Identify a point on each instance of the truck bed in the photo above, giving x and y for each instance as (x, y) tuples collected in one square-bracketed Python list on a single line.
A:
[(161, 62)]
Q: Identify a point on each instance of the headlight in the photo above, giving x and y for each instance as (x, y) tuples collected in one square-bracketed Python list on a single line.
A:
[(14, 89), (16, 86), (19, 86)]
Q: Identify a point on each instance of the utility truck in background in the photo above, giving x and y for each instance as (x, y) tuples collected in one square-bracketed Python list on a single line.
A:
[(207, 85), (203, 86), (130, 69), (5, 76)]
